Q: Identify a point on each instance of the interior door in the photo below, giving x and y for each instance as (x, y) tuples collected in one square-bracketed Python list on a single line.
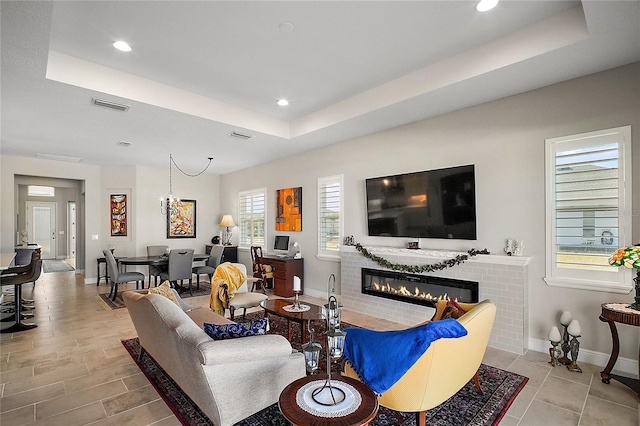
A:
[(41, 225), (72, 230)]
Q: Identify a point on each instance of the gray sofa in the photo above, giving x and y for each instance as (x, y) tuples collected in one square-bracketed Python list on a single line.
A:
[(228, 379)]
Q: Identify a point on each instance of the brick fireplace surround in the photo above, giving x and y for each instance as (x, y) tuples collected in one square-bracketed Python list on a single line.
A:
[(503, 279)]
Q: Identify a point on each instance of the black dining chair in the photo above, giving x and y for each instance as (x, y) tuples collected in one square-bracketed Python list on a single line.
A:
[(17, 279)]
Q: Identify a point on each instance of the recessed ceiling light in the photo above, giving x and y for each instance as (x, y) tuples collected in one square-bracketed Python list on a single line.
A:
[(123, 46), (286, 27), (282, 102), (485, 5)]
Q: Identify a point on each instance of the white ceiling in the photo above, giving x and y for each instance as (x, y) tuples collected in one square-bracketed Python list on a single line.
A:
[(202, 69)]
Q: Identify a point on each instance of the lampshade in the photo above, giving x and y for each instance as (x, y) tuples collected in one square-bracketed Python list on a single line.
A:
[(626, 256), (227, 221)]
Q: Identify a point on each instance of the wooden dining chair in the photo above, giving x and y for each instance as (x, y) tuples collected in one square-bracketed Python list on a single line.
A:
[(261, 270)]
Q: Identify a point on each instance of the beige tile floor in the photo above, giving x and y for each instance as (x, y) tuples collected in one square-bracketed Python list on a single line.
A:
[(73, 370)]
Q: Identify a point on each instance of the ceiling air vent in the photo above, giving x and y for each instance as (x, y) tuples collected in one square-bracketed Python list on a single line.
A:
[(239, 135), (108, 104)]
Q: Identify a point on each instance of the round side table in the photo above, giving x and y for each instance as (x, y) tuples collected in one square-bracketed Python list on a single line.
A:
[(362, 416), (612, 313)]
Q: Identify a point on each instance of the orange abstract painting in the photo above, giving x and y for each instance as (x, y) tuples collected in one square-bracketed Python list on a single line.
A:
[(289, 209)]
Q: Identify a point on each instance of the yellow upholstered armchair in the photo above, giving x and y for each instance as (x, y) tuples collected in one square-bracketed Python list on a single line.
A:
[(446, 366)]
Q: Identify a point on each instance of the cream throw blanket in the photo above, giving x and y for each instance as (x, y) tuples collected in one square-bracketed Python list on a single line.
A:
[(228, 274)]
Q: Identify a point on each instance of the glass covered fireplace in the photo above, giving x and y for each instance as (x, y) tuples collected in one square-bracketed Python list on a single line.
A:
[(417, 289)]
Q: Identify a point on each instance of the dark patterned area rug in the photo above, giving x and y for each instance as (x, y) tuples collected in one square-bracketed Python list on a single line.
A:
[(205, 289), (467, 407)]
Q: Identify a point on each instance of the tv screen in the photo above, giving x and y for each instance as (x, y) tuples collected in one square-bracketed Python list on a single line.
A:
[(281, 243), (429, 204)]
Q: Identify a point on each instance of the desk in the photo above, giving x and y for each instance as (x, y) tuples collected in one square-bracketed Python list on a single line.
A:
[(284, 269), (612, 313), (296, 415)]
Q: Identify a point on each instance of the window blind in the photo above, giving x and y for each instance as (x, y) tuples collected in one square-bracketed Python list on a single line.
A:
[(252, 217)]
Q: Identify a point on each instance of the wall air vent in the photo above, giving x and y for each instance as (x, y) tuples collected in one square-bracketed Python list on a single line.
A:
[(58, 157), (239, 135), (108, 104)]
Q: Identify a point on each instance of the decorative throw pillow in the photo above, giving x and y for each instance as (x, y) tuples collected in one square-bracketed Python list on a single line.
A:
[(452, 310), (164, 289), (231, 331)]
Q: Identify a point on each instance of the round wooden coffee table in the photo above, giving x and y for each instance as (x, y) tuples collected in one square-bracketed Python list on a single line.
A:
[(296, 415), (275, 307)]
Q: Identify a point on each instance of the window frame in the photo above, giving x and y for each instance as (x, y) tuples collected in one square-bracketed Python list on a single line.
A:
[(323, 253), (251, 193), (619, 280)]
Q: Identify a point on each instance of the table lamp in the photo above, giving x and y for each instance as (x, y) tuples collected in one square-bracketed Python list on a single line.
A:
[(227, 221), (629, 257)]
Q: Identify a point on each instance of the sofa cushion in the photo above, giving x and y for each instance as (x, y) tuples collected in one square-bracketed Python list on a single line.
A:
[(231, 331), (165, 290)]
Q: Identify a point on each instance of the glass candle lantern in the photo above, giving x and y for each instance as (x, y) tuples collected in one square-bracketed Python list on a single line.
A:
[(335, 340), (332, 312), (311, 352)]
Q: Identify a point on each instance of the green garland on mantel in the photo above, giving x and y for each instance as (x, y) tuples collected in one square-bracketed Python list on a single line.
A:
[(417, 269)]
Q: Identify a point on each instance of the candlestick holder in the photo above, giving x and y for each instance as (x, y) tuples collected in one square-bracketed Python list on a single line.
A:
[(554, 353), (566, 348), (296, 301), (575, 347)]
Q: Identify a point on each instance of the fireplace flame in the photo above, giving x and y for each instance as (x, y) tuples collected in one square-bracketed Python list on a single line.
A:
[(403, 291)]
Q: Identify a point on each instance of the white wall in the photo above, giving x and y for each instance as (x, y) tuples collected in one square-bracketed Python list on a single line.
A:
[(505, 140), (90, 174), (144, 185)]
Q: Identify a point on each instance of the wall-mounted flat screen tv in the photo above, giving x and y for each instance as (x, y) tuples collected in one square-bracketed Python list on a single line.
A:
[(429, 204)]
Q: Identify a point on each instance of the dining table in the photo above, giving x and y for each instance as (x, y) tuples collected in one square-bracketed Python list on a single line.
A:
[(154, 260)]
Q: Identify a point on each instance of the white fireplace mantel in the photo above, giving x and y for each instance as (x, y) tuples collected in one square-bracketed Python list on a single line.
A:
[(503, 279)]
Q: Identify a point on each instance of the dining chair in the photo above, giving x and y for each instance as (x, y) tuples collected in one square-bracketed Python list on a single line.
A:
[(156, 270), (261, 270), (211, 264), (179, 267), (116, 277)]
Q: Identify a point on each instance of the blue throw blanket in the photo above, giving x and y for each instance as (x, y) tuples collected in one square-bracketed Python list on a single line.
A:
[(382, 357)]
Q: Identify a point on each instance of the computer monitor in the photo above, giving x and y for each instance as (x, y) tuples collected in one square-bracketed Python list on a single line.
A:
[(281, 243)]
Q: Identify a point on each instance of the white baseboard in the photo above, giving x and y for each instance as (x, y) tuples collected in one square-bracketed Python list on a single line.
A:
[(627, 366), (315, 293)]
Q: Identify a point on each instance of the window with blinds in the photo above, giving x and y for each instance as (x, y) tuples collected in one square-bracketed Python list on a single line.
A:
[(330, 215), (588, 197), (252, 217)]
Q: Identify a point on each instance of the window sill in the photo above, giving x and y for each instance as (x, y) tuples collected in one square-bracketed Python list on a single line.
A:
[(328, 257), (604, 286)]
